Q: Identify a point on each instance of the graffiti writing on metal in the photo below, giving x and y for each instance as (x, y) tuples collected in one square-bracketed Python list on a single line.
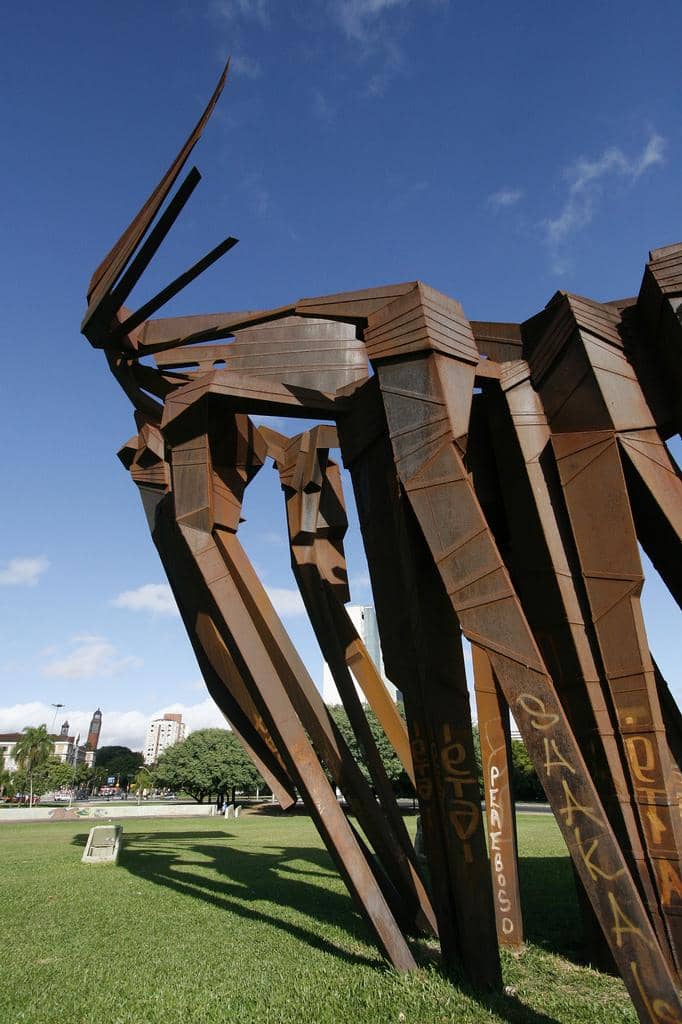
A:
[(497, 849), (584, 824)]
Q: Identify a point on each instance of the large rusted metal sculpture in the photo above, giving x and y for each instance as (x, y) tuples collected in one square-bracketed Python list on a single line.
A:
[(503, 475)]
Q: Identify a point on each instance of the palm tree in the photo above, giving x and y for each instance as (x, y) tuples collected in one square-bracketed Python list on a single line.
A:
[(143, 780), (5, 782), (33, 749)]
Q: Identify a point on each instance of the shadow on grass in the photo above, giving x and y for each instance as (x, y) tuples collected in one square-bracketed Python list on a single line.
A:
[(549, 903), (236, 880)]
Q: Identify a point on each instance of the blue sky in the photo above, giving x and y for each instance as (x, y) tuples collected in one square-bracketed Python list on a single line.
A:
[(496, 151)]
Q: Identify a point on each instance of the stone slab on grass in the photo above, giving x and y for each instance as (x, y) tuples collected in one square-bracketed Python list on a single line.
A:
[(103, 845)]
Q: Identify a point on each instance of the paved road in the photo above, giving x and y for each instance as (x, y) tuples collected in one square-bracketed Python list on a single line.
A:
[(533, 809), (521, 808)]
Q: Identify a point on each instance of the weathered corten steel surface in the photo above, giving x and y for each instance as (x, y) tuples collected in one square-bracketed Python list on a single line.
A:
[(504, 475), (494, 733), (317, 524)]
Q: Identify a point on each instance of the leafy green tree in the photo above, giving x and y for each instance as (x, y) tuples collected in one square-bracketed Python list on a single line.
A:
[(122, 762), (143, 780), (32, 751), (477, 755), (60, 775), (83, 776), (39, 783), (98, 777), (392, 765), (7, 787), (525, 782), (210, 762)]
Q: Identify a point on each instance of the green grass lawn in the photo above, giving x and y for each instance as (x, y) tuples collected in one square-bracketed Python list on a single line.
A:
[(207, 920)]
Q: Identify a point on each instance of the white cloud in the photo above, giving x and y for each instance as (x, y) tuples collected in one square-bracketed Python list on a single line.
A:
[(652, 154), (156, 598), (586, 179), (245, 66), (23, 572), (90, 657), (375, 29), (358, 18), (360, 581), (204, 715), (287, 601), (322, 109), (124, 728), (247, 10), (371, 29), (18, 716), (505, 197)]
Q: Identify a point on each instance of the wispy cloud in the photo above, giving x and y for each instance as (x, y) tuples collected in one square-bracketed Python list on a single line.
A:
[(287, 601), (373, 31), (322, 109), (369, 27), (504, 197), (586, 180), (404, 193), (90, 657), (257, 194), (156, 598), (23, 572), (358, 18), (246, 66), (392, 63), (251, 10)]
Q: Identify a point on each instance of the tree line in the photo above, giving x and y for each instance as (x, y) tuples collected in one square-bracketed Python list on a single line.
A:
[(210, 764), (526, 784)]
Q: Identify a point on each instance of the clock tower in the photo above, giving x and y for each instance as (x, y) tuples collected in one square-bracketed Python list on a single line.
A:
[(94, 730)]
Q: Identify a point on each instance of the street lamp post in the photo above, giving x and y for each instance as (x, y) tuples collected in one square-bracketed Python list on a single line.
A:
[(54, 717), (74, 765)]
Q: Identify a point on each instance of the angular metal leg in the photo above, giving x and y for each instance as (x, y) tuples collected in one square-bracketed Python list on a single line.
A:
[(493, 728)]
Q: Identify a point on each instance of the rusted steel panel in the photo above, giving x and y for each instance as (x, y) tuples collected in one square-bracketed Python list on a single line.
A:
[(192, 475), (291, 350), (423, 657), (493, 730), (589, 463), (547, 582), (655, 493), (352, 306), (244, 611), (497, 341), (253, 394), (658, 305), (316, 521), (328, 742), (589, 372), (521, 533), (441, 493), (144, 457)]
